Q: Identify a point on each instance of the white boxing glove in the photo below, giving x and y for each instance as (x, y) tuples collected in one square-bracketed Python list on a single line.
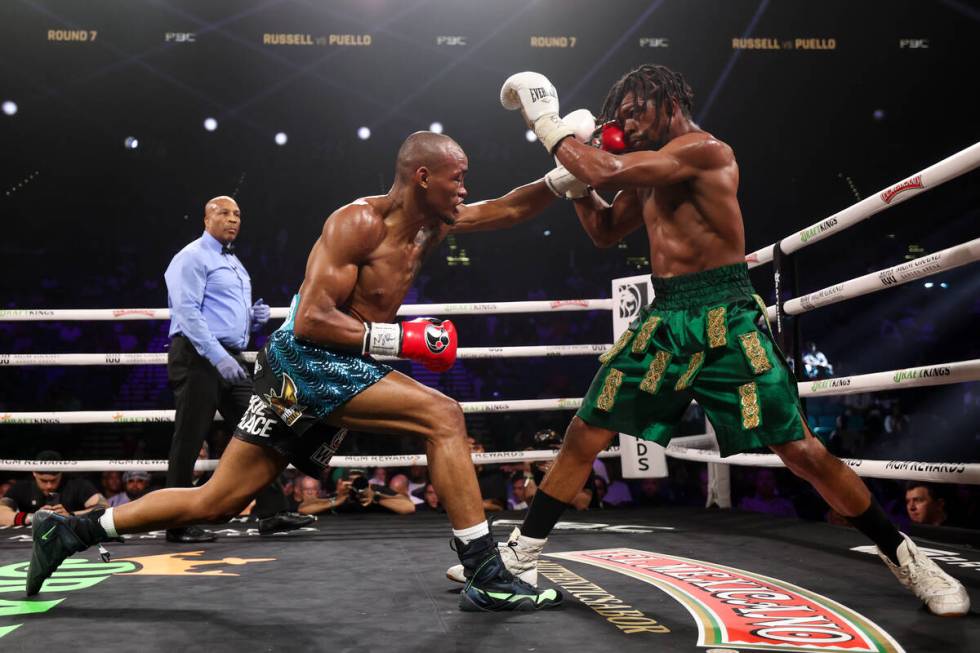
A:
[(537, 99), (582, 123), (563, 184), (560, 181)]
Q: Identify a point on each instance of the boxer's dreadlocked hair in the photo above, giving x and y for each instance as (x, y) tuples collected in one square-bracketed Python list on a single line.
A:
[(650, 82)]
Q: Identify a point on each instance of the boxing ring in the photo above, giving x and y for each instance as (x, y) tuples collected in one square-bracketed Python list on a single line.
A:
[(382, 578)]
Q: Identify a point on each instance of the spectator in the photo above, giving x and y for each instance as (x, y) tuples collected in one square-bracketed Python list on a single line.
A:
[(493, 483), (550, 439), (924, 504), (379, 476), (136, 484), (517, 499), (418, 477), (354, 494), (399, 483), (766, 499), (430, 500), (112, 484), (49, 490), (815, 364), (897, 422)]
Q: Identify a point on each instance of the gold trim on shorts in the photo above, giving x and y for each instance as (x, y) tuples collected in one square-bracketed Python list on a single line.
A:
[(692, 369), (764, 309), (748, 401), (646, 332), (754, 352), (613, 351), (717, 329), (607, 398), (655, 374)]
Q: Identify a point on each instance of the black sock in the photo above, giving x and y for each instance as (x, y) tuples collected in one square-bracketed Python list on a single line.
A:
[(879, 529), (544, 513), (88, 528)]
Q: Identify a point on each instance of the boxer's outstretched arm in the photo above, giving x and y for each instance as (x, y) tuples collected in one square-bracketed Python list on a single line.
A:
[(520, 204), (682, 159), (348, 238), (605, 224)]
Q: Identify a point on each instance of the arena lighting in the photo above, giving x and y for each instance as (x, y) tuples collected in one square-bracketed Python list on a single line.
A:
[(944, 285), (878, 114), (9, 107), (281, 138), (547, 232), (928, 284), (530, 136), (436, 127), (131, 143), (210, 124), (363, 133)]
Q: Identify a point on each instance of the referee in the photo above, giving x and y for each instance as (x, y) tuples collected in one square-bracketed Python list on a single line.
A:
[(211, 315)]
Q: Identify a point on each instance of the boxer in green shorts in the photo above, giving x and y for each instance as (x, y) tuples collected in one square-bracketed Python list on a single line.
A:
[(704, 335)]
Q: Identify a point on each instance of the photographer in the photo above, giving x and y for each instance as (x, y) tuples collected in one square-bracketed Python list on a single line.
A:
[(51, 491), (354, 494)]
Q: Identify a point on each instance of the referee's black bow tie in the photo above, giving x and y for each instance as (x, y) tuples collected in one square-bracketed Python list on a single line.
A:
[(227, 249)]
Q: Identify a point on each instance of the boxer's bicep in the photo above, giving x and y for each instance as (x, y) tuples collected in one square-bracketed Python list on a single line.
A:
[(608, 224), (674, 164)]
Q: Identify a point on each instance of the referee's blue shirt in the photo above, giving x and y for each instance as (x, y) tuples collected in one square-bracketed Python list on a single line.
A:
[(209, 295)]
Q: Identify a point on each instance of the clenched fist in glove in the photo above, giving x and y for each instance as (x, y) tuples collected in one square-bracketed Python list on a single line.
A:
[(537, 99), (425, 339)]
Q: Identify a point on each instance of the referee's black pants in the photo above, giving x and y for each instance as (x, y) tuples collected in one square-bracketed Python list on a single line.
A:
[(198, 391)]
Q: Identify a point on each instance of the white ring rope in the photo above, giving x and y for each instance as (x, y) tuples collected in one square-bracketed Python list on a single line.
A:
[(896, 275), (145, 416), (968, 473), (548, 351), (481, 308), (486, 458), (913, 377), (936, 174)]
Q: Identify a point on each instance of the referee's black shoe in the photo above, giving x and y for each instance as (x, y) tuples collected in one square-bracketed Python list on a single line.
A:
[(284, 521), (190, 535)]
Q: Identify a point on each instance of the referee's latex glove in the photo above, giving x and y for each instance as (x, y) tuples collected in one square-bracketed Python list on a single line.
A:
[(231, 371), (260, 312)]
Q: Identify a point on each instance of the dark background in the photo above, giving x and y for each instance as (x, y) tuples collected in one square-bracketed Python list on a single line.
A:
[(88, 223)]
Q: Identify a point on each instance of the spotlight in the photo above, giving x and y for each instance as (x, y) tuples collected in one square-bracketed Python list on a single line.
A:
[(363, 133), (928, 284), (944, 285), (9, 107), (878, 114), (281, 138), (436, 127), (547, 232), (210, 124), (530, 136), (131, 143)]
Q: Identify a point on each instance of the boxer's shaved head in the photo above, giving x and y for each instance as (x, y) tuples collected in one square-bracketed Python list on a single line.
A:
[(425, 150)]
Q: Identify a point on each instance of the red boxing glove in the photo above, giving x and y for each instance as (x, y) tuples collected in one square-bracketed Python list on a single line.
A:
[(425, 339), (613, 139), (431, 341)]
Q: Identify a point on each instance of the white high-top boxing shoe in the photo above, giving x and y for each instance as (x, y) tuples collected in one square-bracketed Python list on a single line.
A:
[(943, 595), (519, 553)]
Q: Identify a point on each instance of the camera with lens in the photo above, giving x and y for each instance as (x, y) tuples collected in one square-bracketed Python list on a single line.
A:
[(358, 486)]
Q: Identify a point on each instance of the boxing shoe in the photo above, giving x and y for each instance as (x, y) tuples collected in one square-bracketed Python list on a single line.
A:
[(519, 553), (55, 538), (943, 595), (284, 521), (491, 587)]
